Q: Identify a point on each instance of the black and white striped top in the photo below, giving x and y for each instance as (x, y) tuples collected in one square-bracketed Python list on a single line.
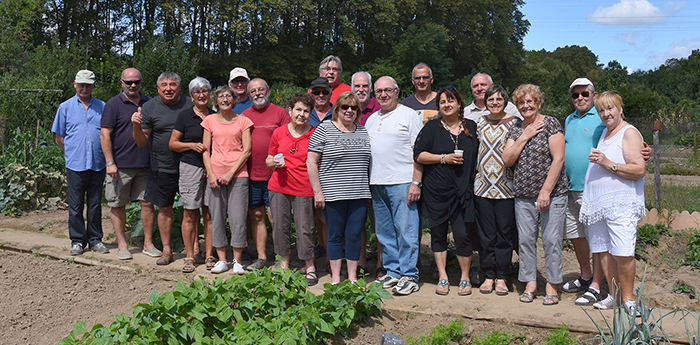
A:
[(344, 164)]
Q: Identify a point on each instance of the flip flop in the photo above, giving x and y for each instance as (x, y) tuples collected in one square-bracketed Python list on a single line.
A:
[(443, 287), (528, 297), (462, 286)]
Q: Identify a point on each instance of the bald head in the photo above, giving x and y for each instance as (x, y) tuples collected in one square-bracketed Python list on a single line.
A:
[(131, 82)]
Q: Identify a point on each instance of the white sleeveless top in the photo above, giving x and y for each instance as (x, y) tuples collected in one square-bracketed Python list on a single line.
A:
[(607, 195)]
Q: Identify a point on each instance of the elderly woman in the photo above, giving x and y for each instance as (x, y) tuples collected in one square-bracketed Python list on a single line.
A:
[(493, 193), (338, 165), (290, 188), (186, 139), (613, 200), (227, 146), (447, 147), (535, 148)]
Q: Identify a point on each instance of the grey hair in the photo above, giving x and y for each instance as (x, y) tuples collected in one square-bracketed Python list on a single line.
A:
[(487, 76), (222, 89), (369, 76), (591, 87), (396, 85), (168, 75), (328, 59), (264, 81), (422, 65), (198, 84)]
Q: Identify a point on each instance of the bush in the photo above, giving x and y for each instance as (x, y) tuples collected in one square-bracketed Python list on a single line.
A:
[(648, 235), (692, 252), (440, 334), (560, 337), (261, 307)]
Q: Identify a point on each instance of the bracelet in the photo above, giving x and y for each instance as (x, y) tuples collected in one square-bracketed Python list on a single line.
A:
[(442, 159), (109, 163)]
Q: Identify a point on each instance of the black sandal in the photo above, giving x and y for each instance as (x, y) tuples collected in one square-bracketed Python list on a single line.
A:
[(311, 278)]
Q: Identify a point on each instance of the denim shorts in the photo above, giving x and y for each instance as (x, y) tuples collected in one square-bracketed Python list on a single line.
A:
[(257, 194)]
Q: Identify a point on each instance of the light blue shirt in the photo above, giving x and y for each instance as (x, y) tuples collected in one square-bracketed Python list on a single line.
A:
[(81, 132), (581, 134), (242, 106)]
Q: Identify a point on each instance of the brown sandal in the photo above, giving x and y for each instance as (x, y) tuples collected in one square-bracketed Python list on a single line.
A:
[(165, 259), (211, 262), (189, 266)]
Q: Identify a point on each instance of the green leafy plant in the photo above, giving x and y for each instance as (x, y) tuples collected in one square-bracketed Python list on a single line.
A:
[(261, 307), (499, 338), (692, 252), (560, 336), (440, 334), (134, 224), (683, 287), (649, 235)]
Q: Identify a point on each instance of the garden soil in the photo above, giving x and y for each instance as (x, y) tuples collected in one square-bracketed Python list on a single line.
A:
[(44, 291)]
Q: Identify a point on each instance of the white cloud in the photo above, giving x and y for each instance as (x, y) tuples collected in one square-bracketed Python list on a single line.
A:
[(677, 50), (634, 13), (629, 38)]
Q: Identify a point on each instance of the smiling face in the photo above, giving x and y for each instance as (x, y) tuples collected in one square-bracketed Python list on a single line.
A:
[(83, 90), (583, 103), (225, 101), (131, 82), (331, 71), (361, 87), (422, 79), (240, 85), (259, 93), (348, 111), (300, 114), (480, 83), (528, 107), (449, 107), (169, 91), (496, 103), (322, 96), (386, 93), (200, 97)]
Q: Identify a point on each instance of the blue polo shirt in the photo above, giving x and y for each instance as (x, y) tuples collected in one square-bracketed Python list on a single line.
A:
[(81, 132), (242, 106), (581, 133), (314, 121)]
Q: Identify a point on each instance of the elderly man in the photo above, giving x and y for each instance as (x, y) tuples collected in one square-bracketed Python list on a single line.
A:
[(154, 123), (127, 164), (423, 101), (75, 127), (238, 80), (480, 83), (266, 118), (362, 87), (331, 68), (395, 181), (320, 89)]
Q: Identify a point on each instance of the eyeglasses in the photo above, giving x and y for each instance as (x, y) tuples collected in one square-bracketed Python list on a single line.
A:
[(422, 77), (334, 69), (528, 102), (346, 106), (585, 94), (318, 92), (201, 92), (388, 91), (225, 96), (131, 82), (258, 90)]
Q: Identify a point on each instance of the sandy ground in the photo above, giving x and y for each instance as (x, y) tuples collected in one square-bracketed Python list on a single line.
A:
[(42, 296)]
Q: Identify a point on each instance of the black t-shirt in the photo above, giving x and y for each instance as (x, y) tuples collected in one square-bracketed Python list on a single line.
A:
[(190, 125), (160, 119)]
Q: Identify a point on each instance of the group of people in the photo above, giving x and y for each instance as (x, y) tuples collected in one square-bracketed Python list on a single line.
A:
[(494, 172)]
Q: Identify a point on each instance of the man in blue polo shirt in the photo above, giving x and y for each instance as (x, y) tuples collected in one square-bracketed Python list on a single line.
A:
[(77, 130)]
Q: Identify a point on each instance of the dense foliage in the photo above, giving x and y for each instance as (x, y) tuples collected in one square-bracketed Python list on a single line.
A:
[(261, 307)]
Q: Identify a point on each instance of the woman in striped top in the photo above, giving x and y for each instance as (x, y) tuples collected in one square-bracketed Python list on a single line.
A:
[(338, 166)]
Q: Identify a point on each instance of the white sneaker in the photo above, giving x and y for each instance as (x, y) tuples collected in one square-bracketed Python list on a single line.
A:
[(388, 281), (607, 303), (631, 308), (237, 268), (220, 267)]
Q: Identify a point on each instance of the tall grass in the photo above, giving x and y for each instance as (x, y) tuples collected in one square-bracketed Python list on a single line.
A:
[(673, 196)]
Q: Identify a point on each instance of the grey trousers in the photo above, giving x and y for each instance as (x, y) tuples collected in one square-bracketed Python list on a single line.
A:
[(229, 200), (552, 222), (281, 207)]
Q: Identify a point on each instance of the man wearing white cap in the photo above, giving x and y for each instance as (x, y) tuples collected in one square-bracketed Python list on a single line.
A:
[(238, 80), (77, 129)]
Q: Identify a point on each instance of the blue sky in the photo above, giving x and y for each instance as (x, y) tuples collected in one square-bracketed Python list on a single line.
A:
[(640, 34)]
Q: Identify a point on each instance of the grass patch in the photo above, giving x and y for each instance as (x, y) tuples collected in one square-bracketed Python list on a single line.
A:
[(692, 252), (673, 196), (499, 338), (441, 334), (61, 236), (649, 235), (560, 336)]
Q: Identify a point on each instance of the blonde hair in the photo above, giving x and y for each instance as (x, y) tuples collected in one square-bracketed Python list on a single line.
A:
[(348, 98), (527, 89), (607, 99)]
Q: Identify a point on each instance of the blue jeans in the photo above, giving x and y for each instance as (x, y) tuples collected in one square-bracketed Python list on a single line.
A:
[(346, 221), (397, 229), (85, 187)]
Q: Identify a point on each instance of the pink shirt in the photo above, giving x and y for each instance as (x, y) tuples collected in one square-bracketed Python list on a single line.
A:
[(226, 143), (293, 179), (265, 121)]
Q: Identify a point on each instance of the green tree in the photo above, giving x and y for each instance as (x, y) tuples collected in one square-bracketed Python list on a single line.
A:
[(166, 55)]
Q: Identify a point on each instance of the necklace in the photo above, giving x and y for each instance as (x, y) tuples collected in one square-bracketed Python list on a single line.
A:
[(454, 137)]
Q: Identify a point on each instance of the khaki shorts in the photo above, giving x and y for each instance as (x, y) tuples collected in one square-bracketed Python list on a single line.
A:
[(129, 185), (573, 228), (193, 186)]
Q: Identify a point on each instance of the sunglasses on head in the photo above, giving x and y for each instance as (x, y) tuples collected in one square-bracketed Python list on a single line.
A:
[(447, 88), (131, 82), (318, 92), (584, 94), (346, 106)]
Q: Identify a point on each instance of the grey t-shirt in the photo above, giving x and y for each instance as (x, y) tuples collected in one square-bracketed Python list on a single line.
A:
[(160, 119)]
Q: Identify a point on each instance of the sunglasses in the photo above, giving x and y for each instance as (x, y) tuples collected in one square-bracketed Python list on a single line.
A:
[(447, 88), (318, 92), (131, 82), (346, 106), (422, 77), (585, 94), (478, 72)]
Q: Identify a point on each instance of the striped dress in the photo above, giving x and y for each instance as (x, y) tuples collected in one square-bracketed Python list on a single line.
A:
[(344, 164)]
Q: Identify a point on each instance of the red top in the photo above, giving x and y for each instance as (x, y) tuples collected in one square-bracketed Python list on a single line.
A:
[(265, 121), (293, 179), (337, 90)]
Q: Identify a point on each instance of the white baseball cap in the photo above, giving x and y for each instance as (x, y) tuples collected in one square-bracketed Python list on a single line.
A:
[(238, 72), (85, 77), (580, 81)]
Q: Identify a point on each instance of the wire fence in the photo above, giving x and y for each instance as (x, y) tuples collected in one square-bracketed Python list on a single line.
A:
[(677, 144)]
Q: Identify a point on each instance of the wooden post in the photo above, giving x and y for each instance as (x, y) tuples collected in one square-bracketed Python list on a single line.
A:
[(657, 165)]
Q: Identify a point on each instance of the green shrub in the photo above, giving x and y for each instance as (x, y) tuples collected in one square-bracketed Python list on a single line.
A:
[(261, 307), (560, 337), (23, 188), (683, 287), (692, 252), (686, 139), (440, 334), (498, 338), (649, 235)]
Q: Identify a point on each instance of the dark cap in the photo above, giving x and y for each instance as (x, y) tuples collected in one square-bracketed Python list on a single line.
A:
[(320, 82)]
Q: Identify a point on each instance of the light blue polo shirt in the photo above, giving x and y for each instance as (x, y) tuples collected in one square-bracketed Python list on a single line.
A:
[(81, 132), (581, 133)]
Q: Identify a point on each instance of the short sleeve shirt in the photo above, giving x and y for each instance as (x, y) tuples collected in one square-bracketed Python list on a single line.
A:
[(293, 178), (344, 165), (117, 116), (532, 166), (80, 130), (265, 121), (427, 111), (160, 119), (226, 143), (581, 134), (190, 125)]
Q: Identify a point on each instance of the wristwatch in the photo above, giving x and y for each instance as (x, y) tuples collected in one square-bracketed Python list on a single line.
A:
[(419, 184), (614, 168), (109, 163)]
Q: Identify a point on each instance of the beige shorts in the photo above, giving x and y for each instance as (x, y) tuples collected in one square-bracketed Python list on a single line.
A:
[(193, 186), (573, 228), (129, 185)]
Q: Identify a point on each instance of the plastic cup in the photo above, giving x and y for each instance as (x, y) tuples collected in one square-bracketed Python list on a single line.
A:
[(280, 158), (459, 152)]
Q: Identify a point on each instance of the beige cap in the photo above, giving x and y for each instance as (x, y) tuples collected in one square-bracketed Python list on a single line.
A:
[(85, 77), (238, 72)]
